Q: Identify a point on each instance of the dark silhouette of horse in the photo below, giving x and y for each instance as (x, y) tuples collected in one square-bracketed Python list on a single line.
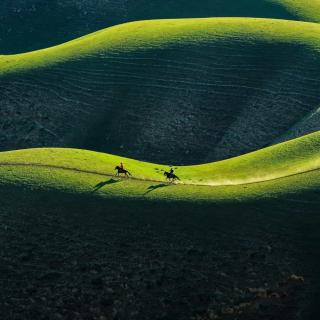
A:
[(122, 171), (171, 176)]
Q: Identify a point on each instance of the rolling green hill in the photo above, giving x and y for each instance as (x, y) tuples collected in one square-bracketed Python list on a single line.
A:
[(236, 238), (70, 229), (33, 24), (291, 167), (168, 91), (82, 242)]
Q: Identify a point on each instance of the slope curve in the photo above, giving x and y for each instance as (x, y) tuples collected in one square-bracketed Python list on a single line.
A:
[(177, 91), (293, 166), (301, 9), (33, 24)]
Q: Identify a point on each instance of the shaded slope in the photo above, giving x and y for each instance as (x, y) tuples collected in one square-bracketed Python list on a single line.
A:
[(33, 24), (76, 240), (310, 122), (290, 167), (301, 9), (177, 91), (66, 255)]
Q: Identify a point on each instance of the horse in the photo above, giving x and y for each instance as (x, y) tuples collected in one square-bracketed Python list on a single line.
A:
[(171, 176), (120, 171)]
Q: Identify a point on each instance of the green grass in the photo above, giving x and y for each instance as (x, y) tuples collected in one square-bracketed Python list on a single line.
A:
[(285, 168), (35, 184), (149, 66), (162, 33), (290, 167), (59, 22), (306, 10)]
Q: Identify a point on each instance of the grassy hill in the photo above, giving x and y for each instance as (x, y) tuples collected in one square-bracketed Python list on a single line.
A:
[(34, 24), (78, 240), (291, 167), (168, 91), (236, 238)]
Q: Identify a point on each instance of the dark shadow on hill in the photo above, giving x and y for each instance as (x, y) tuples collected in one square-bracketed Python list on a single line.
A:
[(155, 187), (104, 183), (54, 22), (273, 243)]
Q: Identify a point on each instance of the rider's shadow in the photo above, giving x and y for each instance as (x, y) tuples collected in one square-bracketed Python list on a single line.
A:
[(104, 183), (152, 188)]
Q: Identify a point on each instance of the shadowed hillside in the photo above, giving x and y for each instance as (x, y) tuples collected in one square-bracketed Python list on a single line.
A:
[(79, 242), (174, 234), (67, 257), (178, 91), (33, 24)]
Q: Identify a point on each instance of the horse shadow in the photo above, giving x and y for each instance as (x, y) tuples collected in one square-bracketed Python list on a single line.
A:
[(155, 187), (104, 183)]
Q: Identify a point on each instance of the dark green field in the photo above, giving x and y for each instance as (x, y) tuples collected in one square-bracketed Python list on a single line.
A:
[(66, 257), (225, 93)]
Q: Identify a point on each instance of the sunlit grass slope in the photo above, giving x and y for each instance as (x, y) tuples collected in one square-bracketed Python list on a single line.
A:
[(179, 91), (290, 167), (52, 22), (303, 9), (163, 33)]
